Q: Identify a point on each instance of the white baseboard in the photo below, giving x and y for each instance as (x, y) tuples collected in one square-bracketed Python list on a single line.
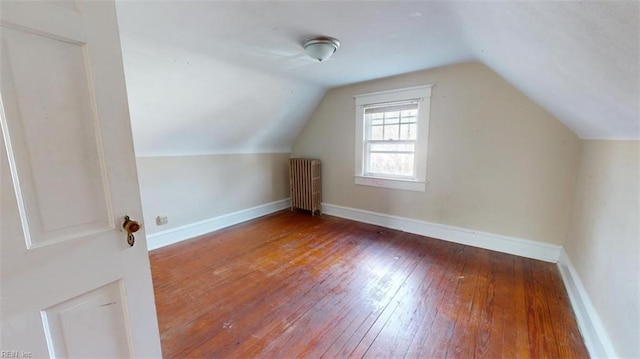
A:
[(593, 332), (517, 246), (178, 234)]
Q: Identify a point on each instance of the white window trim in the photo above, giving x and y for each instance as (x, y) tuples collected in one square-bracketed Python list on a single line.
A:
[(409, 93)]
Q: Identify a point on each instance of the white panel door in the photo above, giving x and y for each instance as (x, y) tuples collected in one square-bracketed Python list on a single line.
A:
[(71, 285)]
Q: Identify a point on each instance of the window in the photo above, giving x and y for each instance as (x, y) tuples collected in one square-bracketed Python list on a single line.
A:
[(392, 129), (390, 139)]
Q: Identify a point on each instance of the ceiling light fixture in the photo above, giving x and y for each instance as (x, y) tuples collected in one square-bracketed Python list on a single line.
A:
[(321, 47)]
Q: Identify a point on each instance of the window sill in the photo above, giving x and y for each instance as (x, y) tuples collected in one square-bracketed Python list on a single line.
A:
[(407, 185)]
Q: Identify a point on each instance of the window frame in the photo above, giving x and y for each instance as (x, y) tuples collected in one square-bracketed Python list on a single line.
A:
[(417, 182)]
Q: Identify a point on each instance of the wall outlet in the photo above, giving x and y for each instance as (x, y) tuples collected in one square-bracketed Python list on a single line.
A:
[(161, 219)]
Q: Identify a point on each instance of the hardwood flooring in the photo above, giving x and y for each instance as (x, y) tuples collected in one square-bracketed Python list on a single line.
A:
[(294, 286)]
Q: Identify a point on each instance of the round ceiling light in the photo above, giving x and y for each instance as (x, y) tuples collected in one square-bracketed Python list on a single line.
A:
[(321, 48)]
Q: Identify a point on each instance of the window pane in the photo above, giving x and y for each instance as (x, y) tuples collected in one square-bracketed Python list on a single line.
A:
[(391, 133), (376, 133), (396, 164), (377, 119), (391, 118), (404, 147), (408, 131), (410, 113), (408, 119)]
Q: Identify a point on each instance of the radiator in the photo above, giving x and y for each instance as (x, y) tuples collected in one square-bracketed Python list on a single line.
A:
[(304, 175)]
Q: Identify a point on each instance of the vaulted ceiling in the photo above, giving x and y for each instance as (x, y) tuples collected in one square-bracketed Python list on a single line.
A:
[(232, 77)]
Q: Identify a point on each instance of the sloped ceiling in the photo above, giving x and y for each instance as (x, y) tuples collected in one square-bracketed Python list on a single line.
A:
[(232, 77)]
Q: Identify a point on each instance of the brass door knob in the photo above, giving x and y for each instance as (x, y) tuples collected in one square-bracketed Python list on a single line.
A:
[(131, 227)]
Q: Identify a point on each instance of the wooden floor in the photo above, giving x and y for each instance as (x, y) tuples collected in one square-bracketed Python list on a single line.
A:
[(294, 286)]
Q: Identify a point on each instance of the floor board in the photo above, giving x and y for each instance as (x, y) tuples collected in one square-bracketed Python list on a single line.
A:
[(290, 285)]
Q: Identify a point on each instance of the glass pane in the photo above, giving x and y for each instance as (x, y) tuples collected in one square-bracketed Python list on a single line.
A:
[(391, 118), (395, 164), (376, 133), (410, 113), (408, 131), (392, 147), (408, 119), (391, 132), (377, 118)]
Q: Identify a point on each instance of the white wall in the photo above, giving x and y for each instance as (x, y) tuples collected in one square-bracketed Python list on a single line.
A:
[(184, 102), (190, 189), (497, 162), (603, 241)]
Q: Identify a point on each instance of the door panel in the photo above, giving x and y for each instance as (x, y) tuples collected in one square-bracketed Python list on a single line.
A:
[(77, 328), (70, 168), (70, 284)]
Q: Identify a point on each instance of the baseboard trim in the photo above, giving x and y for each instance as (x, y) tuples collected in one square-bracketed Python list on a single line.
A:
[(593, 332), (517, 246), (178, 234)]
